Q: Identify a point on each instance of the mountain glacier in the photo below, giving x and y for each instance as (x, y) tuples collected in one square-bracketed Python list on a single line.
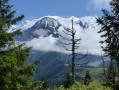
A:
[(43, 33)]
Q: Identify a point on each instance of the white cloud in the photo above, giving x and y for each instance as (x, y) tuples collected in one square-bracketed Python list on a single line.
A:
[(99, 4), (45, 44), (90, 41), (90, 37)]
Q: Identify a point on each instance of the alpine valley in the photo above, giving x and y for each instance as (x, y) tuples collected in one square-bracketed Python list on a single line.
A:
[(43, 36)]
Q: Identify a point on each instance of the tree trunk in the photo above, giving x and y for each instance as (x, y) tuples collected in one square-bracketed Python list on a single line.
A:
[(73, 55)]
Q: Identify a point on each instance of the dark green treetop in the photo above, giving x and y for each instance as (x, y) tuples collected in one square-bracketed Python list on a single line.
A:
[(87, 78), (6, 20), (15, 71), (68, 81), (110, 28), (43, 85)]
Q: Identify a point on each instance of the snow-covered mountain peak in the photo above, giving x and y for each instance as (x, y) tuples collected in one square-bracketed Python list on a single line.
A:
[(51, 24), (85, 22), (23, 26), (48, 21), (88, 19), (55, 17), (27, 24), (63, 21), (45, 30)]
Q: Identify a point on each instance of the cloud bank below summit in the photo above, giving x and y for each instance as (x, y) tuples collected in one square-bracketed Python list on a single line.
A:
[(90, 41)]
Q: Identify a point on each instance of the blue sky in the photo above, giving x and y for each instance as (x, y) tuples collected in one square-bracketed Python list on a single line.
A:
[(64, 8)]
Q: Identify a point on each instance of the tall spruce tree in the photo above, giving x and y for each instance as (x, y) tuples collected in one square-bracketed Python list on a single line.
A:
[(110, 28), (15, 71)]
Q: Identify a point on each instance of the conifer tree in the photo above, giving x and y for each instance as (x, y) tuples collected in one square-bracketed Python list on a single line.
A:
[(111, 75), (110, 28), (68, 81), (87, 78), (44, 84), (15, 71)]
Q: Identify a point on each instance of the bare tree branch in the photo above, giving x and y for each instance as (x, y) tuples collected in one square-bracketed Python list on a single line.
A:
[(65, 43), (66, 48), (68, 30), (66, 33), (65, 38)]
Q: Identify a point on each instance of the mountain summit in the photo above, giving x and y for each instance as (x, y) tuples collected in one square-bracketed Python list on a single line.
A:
[(45, 30), (48, 25)]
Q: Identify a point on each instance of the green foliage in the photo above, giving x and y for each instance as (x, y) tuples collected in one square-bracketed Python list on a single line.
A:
[(110, 28), (68, 82), (91, 86), (87, 78), (112, 77), (15, 71), (6, 20), (43, 85), (111, 74), (52, 67)]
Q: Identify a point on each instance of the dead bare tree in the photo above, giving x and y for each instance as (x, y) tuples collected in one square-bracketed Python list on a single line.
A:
[(74, 43)]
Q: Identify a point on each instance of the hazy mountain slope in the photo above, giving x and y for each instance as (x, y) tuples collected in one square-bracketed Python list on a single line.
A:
[(54, 66)]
